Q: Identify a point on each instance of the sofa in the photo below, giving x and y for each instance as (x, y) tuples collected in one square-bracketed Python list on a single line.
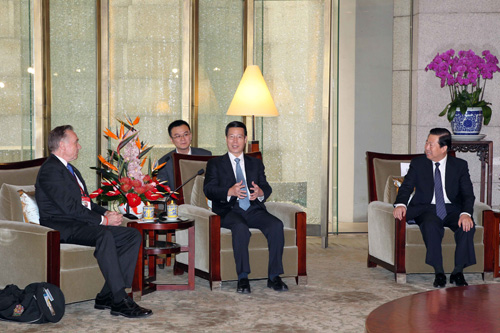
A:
[(31, 252)]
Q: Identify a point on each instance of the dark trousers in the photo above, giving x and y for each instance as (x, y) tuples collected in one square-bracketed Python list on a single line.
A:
[(116, 250), (239, 222), (432, 228)]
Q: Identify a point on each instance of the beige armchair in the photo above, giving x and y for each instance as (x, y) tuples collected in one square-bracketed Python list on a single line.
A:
[(32, 253), (214, 258), (398, 246)]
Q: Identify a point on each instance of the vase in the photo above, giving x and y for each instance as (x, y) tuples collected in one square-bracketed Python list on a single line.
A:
[(136, 211), (469, 123)]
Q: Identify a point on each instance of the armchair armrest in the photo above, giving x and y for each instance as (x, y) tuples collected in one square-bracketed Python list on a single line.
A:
[(203, 232), (381, 231), (28, 253), (293, 217), (479, 208)]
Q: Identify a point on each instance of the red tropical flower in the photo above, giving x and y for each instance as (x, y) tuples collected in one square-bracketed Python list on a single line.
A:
[(133, 200)]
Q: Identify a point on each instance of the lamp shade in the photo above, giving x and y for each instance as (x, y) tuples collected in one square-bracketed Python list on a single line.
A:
[(252, 98)]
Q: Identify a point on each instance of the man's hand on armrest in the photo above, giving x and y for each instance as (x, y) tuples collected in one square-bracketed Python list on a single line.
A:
[(113, 218), (399, 212)]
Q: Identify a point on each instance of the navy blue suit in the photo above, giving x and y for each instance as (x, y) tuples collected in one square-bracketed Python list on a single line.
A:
[(459, 190), (219, 178), (59, 200)]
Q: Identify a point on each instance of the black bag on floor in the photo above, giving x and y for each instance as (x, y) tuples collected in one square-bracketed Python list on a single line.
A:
[(38, 303)]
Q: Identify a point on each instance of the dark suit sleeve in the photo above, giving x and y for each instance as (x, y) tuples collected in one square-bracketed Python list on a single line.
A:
[(407, 186), (262, 180), (466, 189), (57, 196), (215, 189)]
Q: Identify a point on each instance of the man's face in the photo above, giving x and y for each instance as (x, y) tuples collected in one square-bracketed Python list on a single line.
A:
[(181, 137), (236, 140), (432, 149), (69, 146)]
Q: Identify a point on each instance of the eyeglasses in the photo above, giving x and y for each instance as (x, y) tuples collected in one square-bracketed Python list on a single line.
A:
[(185, 135)]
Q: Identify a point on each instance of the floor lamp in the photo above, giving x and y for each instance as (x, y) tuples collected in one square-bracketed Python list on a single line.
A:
[(252, 98)]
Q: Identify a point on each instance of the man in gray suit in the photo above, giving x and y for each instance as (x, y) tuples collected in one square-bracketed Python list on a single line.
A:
[(181, 136)]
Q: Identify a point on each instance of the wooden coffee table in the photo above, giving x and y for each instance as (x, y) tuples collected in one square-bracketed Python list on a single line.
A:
[(143, 285), (456, 309)]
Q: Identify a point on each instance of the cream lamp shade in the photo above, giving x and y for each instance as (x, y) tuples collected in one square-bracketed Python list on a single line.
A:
[(252, 98)]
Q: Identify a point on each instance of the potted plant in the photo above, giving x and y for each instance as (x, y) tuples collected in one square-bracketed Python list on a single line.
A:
[(466, 76), (123, 179)]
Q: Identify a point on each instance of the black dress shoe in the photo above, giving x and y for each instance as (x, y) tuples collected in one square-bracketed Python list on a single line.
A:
[(277, 284), (128, 308), (440, 280), (458, 279), (243, 286), (103, 302)]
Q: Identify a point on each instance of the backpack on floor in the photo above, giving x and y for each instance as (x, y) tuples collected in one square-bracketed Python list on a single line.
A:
[(38, 303)]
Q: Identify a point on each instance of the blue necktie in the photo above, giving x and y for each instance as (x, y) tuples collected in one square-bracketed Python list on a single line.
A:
[(438, 189), (245, 202), (70, 168)]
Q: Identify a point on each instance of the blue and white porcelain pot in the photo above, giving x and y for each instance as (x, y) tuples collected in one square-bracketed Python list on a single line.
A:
[(469, 123)]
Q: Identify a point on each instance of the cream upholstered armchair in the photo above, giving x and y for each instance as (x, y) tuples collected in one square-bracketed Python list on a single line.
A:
[(214, 258), (31, 252), (398, 246)]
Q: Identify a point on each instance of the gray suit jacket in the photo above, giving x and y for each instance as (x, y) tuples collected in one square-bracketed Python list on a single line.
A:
[(167, 172)]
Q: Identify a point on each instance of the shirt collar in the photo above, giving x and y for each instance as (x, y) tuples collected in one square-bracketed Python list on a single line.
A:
[(62, 160), (232, 157), (189, 152)]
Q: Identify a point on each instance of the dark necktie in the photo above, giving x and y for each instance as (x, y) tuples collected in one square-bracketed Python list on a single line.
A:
[(245, 202), (438, 190)]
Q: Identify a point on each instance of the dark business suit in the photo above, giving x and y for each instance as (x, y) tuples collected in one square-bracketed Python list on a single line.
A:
[(167, 172), (459, 190), (59, 200), (219, 178)]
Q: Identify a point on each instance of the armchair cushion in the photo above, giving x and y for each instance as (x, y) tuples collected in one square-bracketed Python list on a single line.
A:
[(391, 188), (11, 208), (30, 207)]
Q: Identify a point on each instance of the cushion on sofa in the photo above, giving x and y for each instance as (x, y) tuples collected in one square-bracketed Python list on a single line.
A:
[(30, 207), (11, 208)]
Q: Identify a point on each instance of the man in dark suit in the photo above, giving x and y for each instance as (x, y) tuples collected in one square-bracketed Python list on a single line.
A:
[(64, 205), (443, 197), (181, 136), (242, 207)]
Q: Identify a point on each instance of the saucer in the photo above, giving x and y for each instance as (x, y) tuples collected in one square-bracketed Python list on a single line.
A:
[(467, 137)]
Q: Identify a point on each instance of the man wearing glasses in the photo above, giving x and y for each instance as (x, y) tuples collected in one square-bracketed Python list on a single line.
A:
[(181, 136)]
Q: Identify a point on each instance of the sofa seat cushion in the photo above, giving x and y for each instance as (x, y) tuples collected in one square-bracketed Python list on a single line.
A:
[(77, 256), (414, 236), (257, 240)]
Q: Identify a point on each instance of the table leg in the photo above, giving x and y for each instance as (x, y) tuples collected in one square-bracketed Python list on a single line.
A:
[(191, 256), (137, 283)]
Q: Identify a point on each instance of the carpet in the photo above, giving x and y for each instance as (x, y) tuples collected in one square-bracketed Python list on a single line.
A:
[(340, 293)]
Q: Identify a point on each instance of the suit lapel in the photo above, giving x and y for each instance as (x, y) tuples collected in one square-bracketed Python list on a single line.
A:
[(227, 168)]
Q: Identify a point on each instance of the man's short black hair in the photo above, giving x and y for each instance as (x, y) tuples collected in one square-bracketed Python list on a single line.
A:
[(236, 124), (177, 123), (444, 136), (56, 135)]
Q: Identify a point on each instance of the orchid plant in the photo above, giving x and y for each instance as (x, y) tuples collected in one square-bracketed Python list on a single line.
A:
[(122, 176), (465, 75)]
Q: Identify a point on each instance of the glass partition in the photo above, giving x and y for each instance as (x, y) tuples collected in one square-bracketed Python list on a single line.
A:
[(145, 67), (73, 64), (219, 69), (16, 80), (289, 47)]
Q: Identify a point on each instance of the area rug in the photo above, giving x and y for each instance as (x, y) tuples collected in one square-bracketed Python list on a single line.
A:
[(340, 293)]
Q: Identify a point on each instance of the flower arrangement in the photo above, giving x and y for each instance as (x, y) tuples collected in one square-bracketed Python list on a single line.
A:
[(122, 177), (463, 75)]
